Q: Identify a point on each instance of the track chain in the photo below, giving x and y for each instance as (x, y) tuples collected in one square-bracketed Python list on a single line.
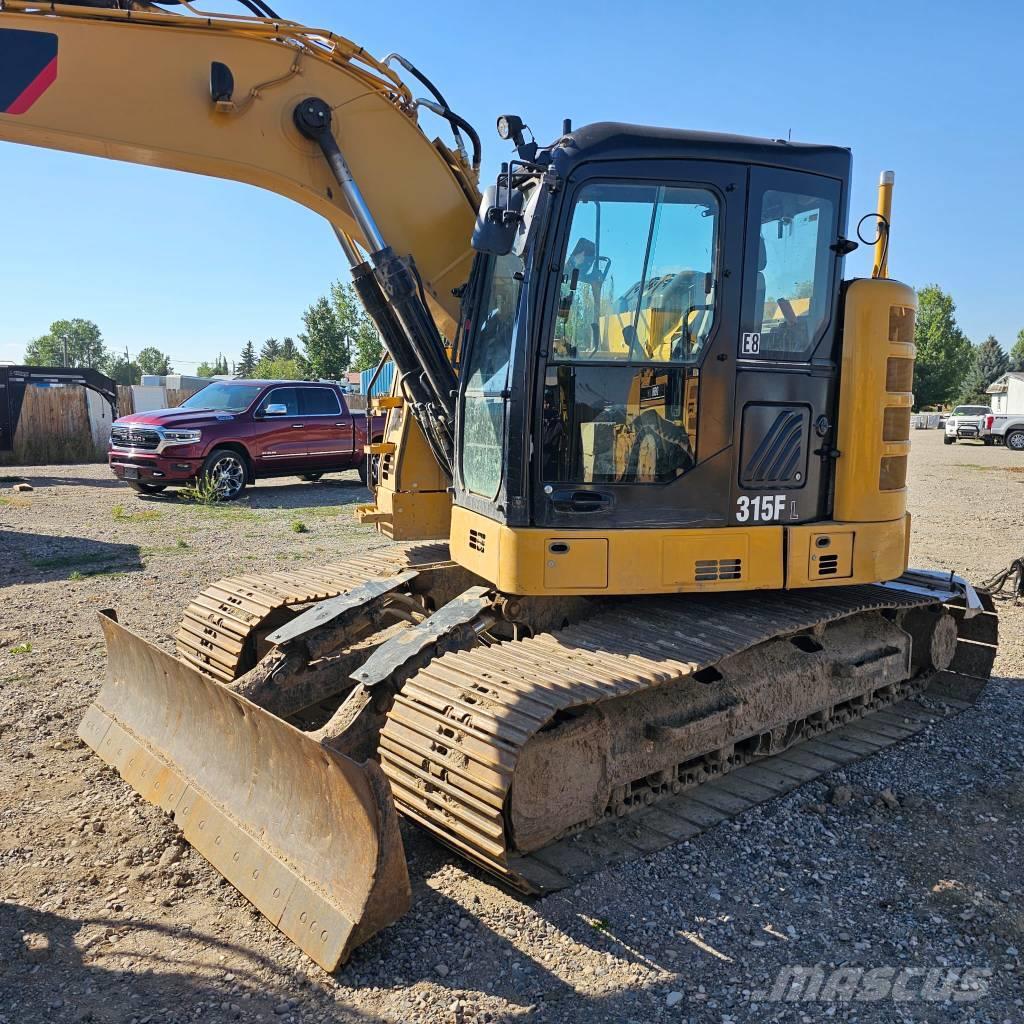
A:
[(454, 734), (219, 630)]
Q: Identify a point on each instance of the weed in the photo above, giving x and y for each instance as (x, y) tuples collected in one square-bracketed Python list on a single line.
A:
[(298, 526), (16, 502), (202, 491), (182, 543), (76, 575), (599, 924), (22, 649)]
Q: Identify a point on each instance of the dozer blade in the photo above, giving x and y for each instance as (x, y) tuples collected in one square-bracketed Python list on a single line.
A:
[(309, 836)]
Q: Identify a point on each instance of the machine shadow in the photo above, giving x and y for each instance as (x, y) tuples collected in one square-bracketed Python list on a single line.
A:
[(58, 968), (39, 558)]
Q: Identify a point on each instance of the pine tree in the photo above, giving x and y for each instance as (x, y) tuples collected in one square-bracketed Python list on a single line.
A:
[(289, 350), (247, 363), (271, 350), (1017, 353), (991, 360)]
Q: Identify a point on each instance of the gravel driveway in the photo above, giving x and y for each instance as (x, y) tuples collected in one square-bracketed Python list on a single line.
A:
[(904, 873)]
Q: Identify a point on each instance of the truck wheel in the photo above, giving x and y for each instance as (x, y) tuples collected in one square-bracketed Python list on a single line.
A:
[(987, 442), (226, 468), (949, 440), (143, 488), (310, 478), (1015, 440)]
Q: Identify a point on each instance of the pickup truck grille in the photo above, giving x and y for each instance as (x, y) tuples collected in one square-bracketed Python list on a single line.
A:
[(135, 437)]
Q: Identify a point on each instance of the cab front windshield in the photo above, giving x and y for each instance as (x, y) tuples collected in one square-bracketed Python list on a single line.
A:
[(637, 283), (223, 398)]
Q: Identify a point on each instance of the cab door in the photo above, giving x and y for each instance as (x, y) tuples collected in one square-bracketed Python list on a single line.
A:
[(787, 354), (635, 409)]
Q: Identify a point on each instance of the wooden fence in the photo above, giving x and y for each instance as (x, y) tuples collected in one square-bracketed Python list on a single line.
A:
[(54, 428), (68, 425)]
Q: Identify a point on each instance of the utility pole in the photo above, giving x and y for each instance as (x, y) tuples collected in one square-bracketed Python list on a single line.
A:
[(128, 364), (64, 339)]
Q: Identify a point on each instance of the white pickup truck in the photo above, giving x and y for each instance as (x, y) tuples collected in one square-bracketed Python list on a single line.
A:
[(1004, 428), (965, 423)]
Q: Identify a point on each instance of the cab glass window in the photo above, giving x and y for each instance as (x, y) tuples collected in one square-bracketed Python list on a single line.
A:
[(638, 279), (487, 374), (318, 402), (794, 273), (283, 396)]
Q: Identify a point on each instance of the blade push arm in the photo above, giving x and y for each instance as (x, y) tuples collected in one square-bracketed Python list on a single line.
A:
[(136, 86)]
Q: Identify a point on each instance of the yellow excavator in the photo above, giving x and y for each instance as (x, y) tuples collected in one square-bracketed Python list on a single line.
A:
[(645, 468)]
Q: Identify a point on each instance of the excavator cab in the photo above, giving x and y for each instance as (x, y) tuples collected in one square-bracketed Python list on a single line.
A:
[(653, 339)]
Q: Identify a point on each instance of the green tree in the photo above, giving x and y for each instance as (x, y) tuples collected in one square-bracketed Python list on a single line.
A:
[(279, 369), (289, 350), (360, 331), (271, 349), (152, 360), (247, 363), (1017, 353), (944, 355), (71, 343), (325, 341), (118, 368), (205, 370), (992, 361)]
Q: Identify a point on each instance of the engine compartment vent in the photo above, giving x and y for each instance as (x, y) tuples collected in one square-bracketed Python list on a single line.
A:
[(713, 570), (828, 565), (477, 541)]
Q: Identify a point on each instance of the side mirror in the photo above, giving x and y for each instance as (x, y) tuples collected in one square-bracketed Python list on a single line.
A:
[(274, 409), (497, 221)]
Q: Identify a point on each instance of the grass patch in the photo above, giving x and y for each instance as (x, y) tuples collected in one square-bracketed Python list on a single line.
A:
[(298, 526), (162, 549), (22, 649), (65, 561), (82, 566), (121, 515), (16, 502)]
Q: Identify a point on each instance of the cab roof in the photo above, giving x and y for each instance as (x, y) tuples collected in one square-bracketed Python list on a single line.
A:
[(612, 140)]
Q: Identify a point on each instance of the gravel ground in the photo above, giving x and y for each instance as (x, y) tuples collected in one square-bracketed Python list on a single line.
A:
[(908, 862)]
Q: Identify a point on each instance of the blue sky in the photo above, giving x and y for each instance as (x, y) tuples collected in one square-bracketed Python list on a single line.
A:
[(932, 90)]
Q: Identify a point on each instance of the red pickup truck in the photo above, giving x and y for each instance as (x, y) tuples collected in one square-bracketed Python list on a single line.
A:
[(236, 432)]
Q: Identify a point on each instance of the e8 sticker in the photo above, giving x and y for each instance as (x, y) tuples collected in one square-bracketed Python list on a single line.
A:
[(751, 344)]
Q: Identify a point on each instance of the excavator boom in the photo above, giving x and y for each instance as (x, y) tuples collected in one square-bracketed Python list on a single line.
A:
[(216, 96)]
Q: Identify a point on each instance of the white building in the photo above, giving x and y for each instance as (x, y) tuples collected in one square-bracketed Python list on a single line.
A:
[(1007, 393)]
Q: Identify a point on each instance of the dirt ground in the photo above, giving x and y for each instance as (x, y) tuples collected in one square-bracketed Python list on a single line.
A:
[(908, 862)]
